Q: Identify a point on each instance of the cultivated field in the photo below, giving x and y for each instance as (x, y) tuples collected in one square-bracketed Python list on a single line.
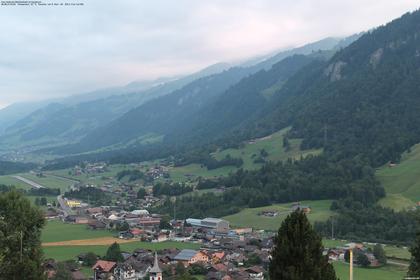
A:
[(249, 217)]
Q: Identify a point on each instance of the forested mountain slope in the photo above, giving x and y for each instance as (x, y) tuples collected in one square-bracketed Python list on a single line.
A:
[(172, 115), (364, 102), (66, 120)]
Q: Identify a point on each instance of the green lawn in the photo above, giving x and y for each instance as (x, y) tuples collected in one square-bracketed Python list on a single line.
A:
[(10, 181), (384, 273), (49, 181), (249, 217), (62, 253), (402, 182), (55, 231)]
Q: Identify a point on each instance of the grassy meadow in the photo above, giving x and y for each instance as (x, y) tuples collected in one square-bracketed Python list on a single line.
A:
[(388, 272), (8, 180), (55, 231), (248, 152), (402, 182), (272, 144), (320, 211)]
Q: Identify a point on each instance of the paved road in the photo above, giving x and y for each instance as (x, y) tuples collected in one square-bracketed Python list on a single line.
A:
[(66, 209), (29, 182)]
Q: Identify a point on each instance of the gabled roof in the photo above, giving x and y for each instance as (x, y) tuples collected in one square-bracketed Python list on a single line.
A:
[(104, 265), (186, 255)]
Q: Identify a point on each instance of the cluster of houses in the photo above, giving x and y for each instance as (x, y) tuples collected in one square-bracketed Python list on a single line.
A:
[(213, 264), (339, 253), (158, 171), (90, 168)]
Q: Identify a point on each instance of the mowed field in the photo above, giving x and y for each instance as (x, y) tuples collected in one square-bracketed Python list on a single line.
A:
[(62, 253), (320, 211), (47, 181), (250, 151), (63, 241), (55, 231), (402, 182), (388, 272), (8, 180)]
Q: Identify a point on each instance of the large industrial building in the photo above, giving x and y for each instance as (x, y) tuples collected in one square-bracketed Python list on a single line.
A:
[(218, 225)]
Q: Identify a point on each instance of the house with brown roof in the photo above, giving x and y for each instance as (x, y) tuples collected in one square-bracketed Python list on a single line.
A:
[(104, 270), (188, 257)]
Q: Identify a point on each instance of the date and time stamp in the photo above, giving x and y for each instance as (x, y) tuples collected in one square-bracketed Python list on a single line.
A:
[(34, 3)]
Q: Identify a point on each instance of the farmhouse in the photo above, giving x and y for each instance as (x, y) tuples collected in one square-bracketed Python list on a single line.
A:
[(188, 257), (296, 206), (104, 270)]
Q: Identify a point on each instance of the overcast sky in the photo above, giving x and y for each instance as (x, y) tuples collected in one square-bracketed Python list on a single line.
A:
[(49, 52)]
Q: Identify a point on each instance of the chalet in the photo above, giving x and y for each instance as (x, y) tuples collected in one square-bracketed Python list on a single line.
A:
[(81, 220), (93, 211), (95, 224), (162, 237), (104, 270), (188, 257), (149, 223), (136, 232), (125, 271), (51, 214), (297, 207), (255, 273), (217, 257), (141, 268)]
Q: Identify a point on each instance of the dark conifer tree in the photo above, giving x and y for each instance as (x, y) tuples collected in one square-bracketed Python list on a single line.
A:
[(414, 269), (298, 250), (114, 253)]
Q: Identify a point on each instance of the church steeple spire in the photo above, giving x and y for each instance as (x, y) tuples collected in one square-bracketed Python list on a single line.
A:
[(155, 272)]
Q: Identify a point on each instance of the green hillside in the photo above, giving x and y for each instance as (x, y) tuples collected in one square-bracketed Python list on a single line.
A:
[(249, 217), (272, 144), (402, 182), (249, 152)]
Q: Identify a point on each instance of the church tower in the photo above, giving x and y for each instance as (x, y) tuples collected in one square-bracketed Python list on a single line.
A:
[(155, 272)]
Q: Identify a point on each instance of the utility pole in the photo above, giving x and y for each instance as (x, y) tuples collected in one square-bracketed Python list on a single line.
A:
[(332, 228)]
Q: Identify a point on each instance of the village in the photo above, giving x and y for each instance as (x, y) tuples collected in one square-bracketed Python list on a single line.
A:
[(222, 252)]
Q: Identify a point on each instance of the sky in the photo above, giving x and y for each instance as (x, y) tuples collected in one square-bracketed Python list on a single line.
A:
[(56, 51)]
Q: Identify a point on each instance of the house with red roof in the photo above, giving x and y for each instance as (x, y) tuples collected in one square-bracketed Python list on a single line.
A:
[(104, 270)]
